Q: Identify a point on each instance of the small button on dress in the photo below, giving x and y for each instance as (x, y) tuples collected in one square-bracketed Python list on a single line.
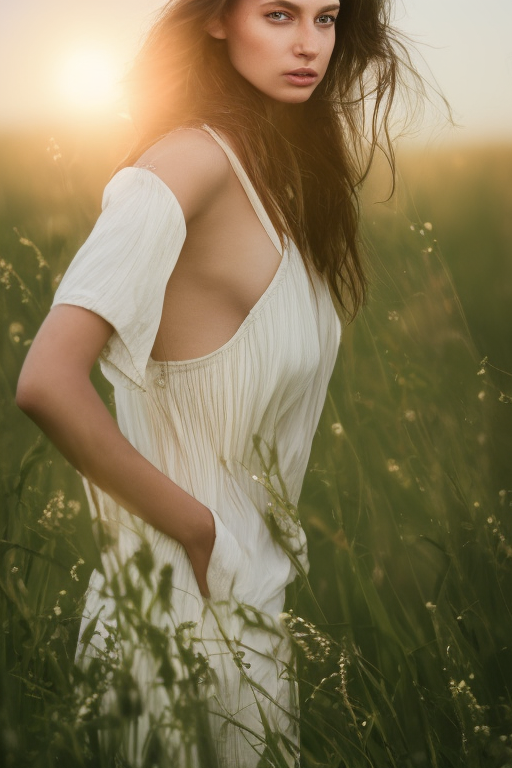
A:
[(234, 429)]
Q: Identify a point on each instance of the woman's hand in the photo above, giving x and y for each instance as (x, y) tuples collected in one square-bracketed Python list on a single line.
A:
[(199, 549)]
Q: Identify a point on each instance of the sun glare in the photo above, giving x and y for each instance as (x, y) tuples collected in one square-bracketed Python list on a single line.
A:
[(89, 80)]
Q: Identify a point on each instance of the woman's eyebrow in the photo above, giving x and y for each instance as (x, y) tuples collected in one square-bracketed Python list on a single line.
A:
[(298, 9)]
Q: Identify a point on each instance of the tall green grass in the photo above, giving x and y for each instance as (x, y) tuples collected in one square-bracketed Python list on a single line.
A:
[(403, 634)]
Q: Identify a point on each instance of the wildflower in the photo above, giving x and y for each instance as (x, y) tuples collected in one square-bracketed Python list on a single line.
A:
[(63, 592), (393, 315), (57, 610), (430, 606), (314, 644), (16, 331), (393, 466), (410, 415), (6, 274), (41, 261), (14, 569), (428, 226), (72, 572), (74, 508), (481, 395), (52, 513), (343, 663), (337, 429)]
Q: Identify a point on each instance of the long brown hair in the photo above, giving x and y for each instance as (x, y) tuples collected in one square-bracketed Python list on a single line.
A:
[(306, 160)]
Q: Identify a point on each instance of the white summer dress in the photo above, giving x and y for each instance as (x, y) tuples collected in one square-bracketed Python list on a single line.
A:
[(234, 429)]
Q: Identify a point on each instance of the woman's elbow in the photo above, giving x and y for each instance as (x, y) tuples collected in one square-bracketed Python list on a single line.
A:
[(29, 393), (37, 390), (60, 359)]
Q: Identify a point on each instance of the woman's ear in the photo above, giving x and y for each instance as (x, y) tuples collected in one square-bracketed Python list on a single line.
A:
[(216, 29)]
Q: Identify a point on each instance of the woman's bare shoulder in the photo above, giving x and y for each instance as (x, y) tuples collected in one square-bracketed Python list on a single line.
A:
[(192, 164)]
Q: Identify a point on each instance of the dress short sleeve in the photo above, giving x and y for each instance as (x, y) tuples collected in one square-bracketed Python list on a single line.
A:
[(122, 269)]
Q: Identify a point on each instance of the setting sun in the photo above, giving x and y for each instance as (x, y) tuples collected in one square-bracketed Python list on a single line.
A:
[(89, 79)]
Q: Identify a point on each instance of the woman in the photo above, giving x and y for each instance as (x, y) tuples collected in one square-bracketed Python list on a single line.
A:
[(208, 290)]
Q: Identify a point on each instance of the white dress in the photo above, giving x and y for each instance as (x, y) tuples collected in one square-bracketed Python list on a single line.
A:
[(234, 429)]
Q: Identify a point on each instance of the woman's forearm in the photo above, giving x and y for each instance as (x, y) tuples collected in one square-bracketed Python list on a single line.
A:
[(70, 411), (55, 390), (74, 417)]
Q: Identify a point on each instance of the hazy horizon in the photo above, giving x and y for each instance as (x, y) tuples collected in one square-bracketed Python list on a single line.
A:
[(64, 60)]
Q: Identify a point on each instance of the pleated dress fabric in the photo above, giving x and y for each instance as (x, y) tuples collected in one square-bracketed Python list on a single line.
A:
[(234, 429)]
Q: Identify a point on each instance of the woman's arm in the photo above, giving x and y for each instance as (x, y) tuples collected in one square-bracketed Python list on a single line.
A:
[(55, 390)]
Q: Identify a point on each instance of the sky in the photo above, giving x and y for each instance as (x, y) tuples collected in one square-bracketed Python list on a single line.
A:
[(60, 59)]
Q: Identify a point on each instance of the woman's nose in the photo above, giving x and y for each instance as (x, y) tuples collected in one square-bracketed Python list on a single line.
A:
[(306, 42)]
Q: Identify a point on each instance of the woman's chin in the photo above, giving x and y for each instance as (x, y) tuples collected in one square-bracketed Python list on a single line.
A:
[(298, 96)]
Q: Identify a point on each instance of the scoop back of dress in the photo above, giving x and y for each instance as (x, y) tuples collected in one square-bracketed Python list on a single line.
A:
[(234, 429)]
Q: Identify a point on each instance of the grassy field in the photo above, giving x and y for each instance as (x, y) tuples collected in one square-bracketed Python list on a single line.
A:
[(404, 638)]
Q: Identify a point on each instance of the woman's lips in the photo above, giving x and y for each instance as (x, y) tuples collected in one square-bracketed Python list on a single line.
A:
[(302, 77)]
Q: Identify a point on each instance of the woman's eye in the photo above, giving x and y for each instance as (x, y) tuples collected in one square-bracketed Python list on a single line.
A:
[(277, 15), (326, 19)]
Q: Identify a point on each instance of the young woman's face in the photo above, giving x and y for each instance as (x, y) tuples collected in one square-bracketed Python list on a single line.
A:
[(282, 48)]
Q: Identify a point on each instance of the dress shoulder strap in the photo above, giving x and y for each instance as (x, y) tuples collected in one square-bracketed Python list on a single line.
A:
[(246, 183)]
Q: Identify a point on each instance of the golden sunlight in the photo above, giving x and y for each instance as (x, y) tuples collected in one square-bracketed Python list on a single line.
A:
[(89, 79)]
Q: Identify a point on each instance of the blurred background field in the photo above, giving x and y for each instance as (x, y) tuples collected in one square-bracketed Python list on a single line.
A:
[(405, 639)]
